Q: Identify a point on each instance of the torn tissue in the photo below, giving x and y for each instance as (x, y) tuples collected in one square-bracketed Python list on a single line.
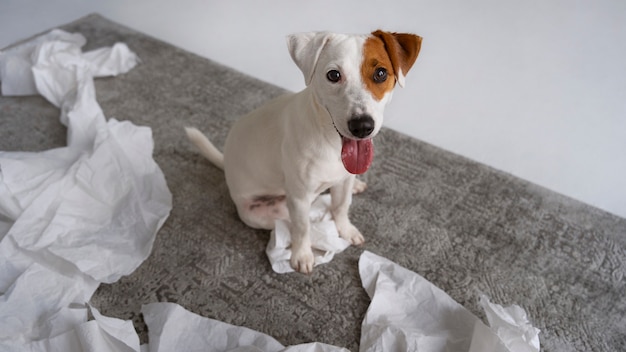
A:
[(75, 216)]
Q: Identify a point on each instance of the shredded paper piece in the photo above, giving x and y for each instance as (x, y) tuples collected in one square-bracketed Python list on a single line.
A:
[(408, 313), (324, 237), (73, 217)]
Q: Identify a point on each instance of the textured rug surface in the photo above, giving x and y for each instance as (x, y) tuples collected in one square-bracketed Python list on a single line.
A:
[(464, 226)]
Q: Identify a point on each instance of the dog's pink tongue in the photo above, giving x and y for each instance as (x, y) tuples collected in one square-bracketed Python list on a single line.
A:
[(357, 155)]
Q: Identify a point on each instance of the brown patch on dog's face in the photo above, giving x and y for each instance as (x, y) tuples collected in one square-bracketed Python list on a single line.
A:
[(402, 49), (376, 69)]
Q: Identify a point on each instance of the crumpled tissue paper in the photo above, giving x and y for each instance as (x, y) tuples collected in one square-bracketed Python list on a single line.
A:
[(509, 330), (325, 239), (408, 313), (71, 217), (100, 334), (172, 328)]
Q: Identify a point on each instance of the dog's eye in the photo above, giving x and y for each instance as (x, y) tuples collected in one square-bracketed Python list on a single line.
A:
[(380, 75), (333, 76)]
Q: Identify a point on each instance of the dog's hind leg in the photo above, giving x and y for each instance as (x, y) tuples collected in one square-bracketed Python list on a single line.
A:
[(261, 212)]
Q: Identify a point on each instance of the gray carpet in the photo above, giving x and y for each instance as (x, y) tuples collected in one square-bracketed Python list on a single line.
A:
[(464, 226)]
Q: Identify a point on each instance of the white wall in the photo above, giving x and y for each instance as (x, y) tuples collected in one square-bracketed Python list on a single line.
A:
[(535, 88)]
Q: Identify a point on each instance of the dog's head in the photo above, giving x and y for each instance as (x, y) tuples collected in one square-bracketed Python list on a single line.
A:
[(352, 77)]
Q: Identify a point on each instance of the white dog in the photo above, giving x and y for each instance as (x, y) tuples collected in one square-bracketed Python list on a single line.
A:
[(281, 156)]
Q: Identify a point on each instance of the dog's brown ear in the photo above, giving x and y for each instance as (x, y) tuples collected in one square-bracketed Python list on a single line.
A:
[(305, 49), (402, 49)]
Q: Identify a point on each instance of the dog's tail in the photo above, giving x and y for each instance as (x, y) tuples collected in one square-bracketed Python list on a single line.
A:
[(207, 149)]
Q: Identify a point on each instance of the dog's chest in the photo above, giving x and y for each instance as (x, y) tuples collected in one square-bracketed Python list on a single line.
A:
[(327, 174)]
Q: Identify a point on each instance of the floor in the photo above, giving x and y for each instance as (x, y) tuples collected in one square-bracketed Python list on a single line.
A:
[(534, 88)]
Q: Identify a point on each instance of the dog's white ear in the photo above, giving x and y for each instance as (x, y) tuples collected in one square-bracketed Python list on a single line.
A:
[(305, 49)]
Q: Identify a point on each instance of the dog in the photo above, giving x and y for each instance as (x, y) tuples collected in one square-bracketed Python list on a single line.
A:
[(278, 158)]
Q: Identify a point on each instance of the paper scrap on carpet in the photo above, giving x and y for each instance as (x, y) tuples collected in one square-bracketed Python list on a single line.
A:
[(408, 313), (324, 238), (72, 217)]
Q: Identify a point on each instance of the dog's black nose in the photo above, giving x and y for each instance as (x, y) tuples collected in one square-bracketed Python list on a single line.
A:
[(361, 126)]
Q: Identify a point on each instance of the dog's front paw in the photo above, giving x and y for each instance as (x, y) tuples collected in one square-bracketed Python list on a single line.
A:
[(359, 186), (351, 234), (302, 260)]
